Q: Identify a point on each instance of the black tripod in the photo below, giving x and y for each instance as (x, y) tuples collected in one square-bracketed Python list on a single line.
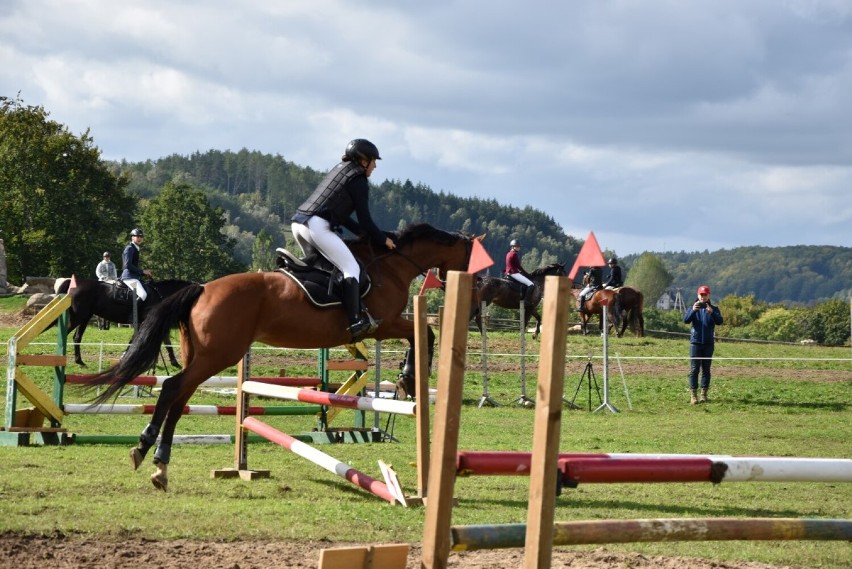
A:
[(589, 375)]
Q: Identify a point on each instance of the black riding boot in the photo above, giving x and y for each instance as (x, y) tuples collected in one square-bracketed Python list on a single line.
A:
[(360, 323)]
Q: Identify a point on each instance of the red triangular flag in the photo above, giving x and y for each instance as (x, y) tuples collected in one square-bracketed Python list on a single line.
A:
[(590, 256), (73, 282), (431, 281), (479, 258)]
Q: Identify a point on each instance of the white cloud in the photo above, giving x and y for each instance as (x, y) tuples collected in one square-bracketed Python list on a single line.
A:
[(616, 117)]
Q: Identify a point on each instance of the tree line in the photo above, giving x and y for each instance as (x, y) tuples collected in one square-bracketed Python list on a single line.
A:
[(217, 212)]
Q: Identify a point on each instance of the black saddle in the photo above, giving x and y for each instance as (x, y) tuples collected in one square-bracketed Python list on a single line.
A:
[(320, 280), (120, 293), (513, 284)]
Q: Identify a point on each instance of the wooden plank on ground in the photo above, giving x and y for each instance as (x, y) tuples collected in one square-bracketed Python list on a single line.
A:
[(386, 556)]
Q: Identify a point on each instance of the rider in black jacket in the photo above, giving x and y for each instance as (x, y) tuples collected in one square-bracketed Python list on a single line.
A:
[(317, 221)]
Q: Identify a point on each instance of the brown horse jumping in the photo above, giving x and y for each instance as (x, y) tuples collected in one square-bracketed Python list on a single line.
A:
[(499, 291), (220, 320)]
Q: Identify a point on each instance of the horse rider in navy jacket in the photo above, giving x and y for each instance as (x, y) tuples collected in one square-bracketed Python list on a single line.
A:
[(132, 274)]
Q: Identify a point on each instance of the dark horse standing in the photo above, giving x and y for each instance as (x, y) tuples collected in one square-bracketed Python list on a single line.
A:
[(220, 320), (93, 297), (502, 292), (628, 305)]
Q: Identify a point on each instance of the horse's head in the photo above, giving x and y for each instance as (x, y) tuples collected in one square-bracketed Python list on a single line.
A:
[(551, 270)]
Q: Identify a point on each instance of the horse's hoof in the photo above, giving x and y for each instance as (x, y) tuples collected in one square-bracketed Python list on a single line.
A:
[(160, 479), (160, 482), (136, 458)]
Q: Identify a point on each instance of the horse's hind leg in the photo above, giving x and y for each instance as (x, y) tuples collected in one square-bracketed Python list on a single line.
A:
[(163, 454), (149, 435)]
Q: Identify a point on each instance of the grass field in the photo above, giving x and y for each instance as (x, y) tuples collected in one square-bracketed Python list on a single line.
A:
[(766, 400)]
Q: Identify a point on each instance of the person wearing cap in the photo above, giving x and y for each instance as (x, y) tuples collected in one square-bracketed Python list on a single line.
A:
[(105, 271), (615, 280), (345, 190), (515, 271), (132, 274), (704, 316)]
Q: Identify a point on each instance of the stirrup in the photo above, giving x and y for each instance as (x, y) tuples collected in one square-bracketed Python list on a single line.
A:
[(366, 325), (290, 257)]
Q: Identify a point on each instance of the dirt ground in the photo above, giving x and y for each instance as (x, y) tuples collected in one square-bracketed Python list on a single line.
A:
[(63, 552)]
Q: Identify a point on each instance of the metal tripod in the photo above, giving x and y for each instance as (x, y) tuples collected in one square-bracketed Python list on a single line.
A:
[(588, 375)]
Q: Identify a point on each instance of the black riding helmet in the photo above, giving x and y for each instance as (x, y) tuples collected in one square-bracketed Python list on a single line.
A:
[(361, 149), (137, 233)]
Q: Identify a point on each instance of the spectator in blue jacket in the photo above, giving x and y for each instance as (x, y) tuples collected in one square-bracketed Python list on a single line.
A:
[(704, 317)]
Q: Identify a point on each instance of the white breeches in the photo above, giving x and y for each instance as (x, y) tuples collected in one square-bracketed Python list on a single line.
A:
[(316, 235), (137, 286), (521, 279)]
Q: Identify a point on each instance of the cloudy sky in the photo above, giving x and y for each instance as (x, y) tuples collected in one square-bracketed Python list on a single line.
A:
[(658, 125)]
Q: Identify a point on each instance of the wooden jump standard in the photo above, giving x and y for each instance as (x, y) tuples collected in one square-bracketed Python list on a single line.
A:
[(540, 533)]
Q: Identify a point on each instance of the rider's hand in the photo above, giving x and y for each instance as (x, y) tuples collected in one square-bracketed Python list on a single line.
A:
[(390, 243)]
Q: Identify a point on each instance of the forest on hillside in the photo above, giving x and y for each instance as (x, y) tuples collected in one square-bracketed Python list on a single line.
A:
[(261, 191)]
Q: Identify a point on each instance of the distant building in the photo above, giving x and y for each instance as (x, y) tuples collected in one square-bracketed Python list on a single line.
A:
[(671, 299)]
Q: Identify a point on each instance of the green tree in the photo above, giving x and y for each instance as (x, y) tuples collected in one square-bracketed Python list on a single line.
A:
[(184, 236), (61, 206), (649, 275), (262, 254), (828, 323)]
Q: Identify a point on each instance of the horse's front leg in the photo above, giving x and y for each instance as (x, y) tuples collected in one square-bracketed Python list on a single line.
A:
[(149, 435), (537, 317), (406, 382), (78, 337), (172, 358)]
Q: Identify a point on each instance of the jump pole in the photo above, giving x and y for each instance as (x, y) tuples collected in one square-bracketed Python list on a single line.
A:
[(466, 538), (319, 458), (407, 408), (737, 468)]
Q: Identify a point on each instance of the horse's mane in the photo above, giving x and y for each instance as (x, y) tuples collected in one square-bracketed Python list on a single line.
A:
[(166, 282), (417, 232)]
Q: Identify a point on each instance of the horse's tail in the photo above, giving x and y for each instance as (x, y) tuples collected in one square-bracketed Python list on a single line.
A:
[(145, 349)]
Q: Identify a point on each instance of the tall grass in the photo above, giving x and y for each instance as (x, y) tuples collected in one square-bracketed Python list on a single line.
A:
[(766, 400)]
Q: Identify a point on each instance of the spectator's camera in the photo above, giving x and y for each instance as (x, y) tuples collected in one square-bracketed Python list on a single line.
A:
[(702, 305)]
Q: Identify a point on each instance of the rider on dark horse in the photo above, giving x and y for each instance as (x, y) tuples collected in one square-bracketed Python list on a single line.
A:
[(132, 274), (592, 280), (318, 220), (515, 271), (615, 280)]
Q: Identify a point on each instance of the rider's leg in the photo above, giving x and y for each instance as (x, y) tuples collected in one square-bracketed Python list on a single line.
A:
[(526, 285), (335, 250), (302, 236), (136, 285)]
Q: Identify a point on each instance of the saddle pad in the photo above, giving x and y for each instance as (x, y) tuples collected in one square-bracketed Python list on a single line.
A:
[(315, 286)]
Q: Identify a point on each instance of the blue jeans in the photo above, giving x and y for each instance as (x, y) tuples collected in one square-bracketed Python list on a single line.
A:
[(700, 358)]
